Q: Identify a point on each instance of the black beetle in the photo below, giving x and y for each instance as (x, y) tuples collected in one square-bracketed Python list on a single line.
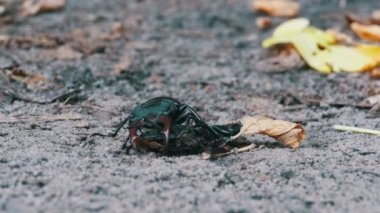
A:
[(164, 122)]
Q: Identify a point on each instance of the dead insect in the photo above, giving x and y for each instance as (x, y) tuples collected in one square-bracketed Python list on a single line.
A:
[(165, 125)]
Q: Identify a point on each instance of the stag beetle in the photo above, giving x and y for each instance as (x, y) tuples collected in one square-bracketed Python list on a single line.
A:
[(164, 122)]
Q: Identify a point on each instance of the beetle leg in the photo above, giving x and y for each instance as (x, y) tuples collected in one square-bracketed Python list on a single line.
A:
[(188, 111), (126, 147), (119, 126), (167, 123), (133, 136)]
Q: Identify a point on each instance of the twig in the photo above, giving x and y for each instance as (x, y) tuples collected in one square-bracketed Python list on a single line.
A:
[(47, 118), (94, 107), (206, 155), (65, 95), (356, 129)]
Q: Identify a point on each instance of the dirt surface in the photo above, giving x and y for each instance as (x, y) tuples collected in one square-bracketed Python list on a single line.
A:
[(208, 55)]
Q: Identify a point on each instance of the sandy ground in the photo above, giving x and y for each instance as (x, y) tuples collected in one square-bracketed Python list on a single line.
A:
[(206, 54)]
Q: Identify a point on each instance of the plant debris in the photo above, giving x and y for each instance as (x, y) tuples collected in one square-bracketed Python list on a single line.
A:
[(32, 81), (366, 32), (356, 129), (33, 7), (280, 8), (287, 133), (263, 22), (321, 51), (122, 66)]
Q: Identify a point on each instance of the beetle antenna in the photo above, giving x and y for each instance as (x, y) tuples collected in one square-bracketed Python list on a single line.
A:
[(120, 125)]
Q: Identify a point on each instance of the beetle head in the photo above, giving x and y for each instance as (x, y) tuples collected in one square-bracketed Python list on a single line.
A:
[(154, 126)]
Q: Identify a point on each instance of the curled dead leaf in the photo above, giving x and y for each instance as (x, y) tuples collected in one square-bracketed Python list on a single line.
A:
[(33, 7), (279, 8), (287, 133), (366, 32)]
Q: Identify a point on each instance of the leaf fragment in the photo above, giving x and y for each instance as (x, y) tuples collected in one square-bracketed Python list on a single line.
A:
[(32, 81), (375, 73), (376, 16), (287, 133), (366, 32), (33, 7), (123, 65), (263, 22), (66, 53), (278, 8)]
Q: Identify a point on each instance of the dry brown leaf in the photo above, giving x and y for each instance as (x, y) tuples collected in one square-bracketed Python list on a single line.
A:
[(366, 32), (376, 16), (66, 53), (287, 133), (123, 65), (32, 81), (263, 22), (351, 18), (375, 73), (278, 8), (33, 7)]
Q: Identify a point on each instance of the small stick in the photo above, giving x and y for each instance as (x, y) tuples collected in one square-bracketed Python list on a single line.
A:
[(66, 95), (94, 107), (207, 156), (356, 129)]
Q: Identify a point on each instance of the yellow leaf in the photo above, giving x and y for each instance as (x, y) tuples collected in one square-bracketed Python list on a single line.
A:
[(291, 26), (320, 51), (309, 48), (347, 59), (370, 51)]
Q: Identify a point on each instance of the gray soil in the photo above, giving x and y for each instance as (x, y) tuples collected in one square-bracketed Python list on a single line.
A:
[(206, 54)]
